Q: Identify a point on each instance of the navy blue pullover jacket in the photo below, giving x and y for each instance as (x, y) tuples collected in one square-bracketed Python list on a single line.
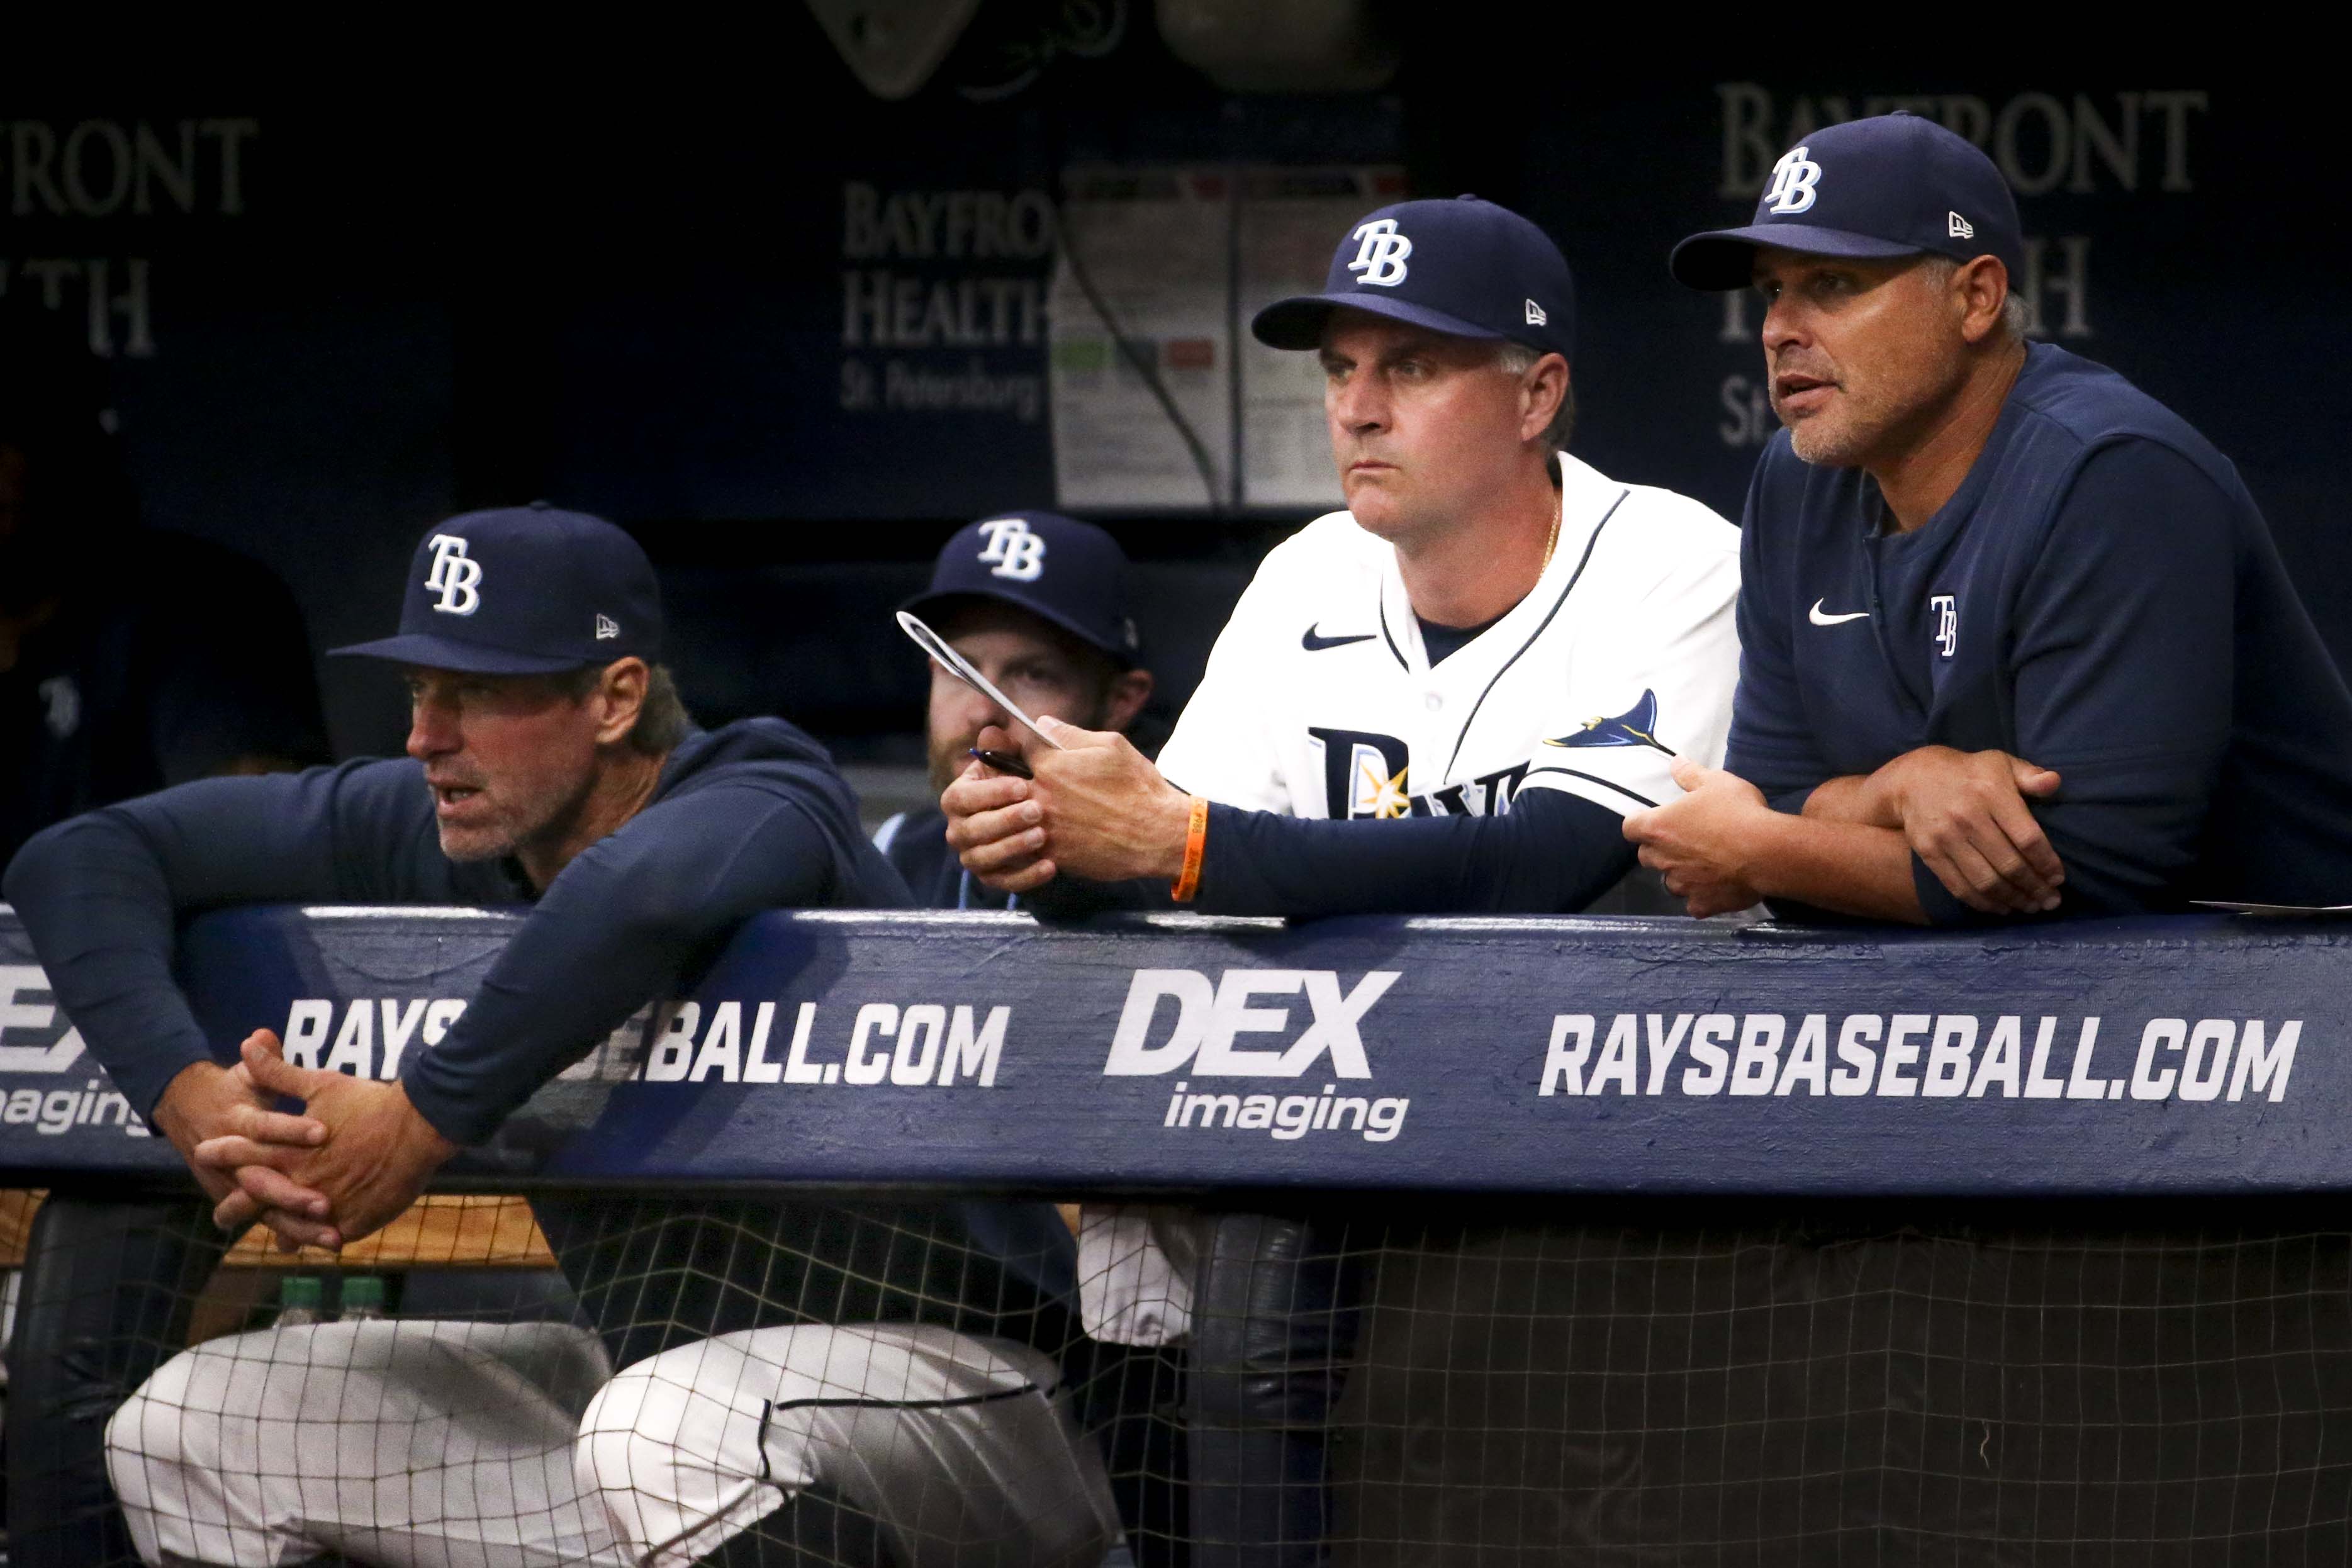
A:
[(2100, 596), (744, 819)]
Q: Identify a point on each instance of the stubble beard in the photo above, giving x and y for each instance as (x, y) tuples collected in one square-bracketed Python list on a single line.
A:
[(1841, 438), (1824, 447), (1865, 423), (517, 824)]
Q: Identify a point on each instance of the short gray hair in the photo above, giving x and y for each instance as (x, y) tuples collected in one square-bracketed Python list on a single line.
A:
[(2016, 317), (662, 719), (1517, 359)]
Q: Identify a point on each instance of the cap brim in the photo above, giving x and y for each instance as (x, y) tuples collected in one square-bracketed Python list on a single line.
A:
[(1725, 257), (928, 608), (1297, 322), (445, 653)]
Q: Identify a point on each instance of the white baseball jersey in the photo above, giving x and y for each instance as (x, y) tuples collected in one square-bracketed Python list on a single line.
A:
[(1319, 699)]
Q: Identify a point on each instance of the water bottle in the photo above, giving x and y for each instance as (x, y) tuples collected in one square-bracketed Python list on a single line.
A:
[(301, 1298), (362, 1298)]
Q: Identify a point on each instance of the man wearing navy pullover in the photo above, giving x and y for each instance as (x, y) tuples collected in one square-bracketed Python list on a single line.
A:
[(2015, 640), (550, 762)]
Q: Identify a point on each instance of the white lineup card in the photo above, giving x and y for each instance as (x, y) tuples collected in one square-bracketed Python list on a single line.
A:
[(955, 664)]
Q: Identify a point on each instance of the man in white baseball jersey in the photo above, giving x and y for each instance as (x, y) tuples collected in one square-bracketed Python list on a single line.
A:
[(1495, 643), (1494, 639)]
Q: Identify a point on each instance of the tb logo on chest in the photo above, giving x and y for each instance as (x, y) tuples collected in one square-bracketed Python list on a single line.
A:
[(1946, 608), (1365, 773)]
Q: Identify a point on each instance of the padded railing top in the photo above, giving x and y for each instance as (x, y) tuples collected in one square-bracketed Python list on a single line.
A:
[(2187, 1054)]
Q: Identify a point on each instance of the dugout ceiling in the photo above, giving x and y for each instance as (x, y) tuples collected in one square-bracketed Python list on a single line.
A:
[(721, 293)]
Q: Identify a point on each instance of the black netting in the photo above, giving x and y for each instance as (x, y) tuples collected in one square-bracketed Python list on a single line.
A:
[(863, 1381)]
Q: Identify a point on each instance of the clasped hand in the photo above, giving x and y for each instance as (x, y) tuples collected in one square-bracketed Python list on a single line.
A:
[(1702, 844), (1097, 808), (354, 1160)]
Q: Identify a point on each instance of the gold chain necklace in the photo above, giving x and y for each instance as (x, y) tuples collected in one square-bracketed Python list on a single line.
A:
[(1550, 544)]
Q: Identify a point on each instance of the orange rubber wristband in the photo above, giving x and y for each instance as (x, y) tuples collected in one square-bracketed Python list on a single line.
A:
[(1196, 843)]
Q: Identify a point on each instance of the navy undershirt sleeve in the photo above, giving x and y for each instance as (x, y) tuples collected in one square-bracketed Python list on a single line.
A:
[(2123, 665), (623, 921), (100, 894), (1552, 853)]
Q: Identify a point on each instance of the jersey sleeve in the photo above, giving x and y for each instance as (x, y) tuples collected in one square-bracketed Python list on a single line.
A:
[(1772, 744), (1222, 746), (1649, 679), (2123, 665), (101, 894), (625, 920)]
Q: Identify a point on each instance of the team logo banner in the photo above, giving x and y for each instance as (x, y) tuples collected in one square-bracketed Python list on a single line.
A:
[(2187, 1054)]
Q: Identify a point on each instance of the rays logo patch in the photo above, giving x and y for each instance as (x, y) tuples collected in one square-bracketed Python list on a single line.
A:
[(1637, 726)]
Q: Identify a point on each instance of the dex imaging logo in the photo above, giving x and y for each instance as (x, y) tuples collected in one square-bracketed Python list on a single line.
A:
[(456, 576), (1211, 1015), (1947, 611), (1013, 550), (1380, 254), (1793, 179)]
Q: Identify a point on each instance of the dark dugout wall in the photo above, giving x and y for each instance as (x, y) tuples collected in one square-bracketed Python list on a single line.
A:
[(788, 332)]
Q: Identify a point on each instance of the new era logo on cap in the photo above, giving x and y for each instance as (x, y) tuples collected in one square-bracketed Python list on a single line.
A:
[(1536, 317), (607, 628), (1960, 228)]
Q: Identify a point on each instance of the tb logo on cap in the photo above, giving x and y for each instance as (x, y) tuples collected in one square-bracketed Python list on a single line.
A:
[(1379, 259), (456, 576), (1793, 179), (1012, 551)]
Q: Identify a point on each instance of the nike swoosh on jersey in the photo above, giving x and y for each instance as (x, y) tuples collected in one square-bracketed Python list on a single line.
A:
[(1819, 620), (1316, 642)]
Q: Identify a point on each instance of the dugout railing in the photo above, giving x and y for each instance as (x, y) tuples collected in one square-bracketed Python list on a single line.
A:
[(1629, 1240)]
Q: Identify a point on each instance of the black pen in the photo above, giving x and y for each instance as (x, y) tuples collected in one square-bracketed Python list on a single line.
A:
[(1004, 763)]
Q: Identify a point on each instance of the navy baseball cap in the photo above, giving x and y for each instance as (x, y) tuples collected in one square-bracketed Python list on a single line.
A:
[(1893, 184), (1465, 267), (527, 590), (1058, 569)]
